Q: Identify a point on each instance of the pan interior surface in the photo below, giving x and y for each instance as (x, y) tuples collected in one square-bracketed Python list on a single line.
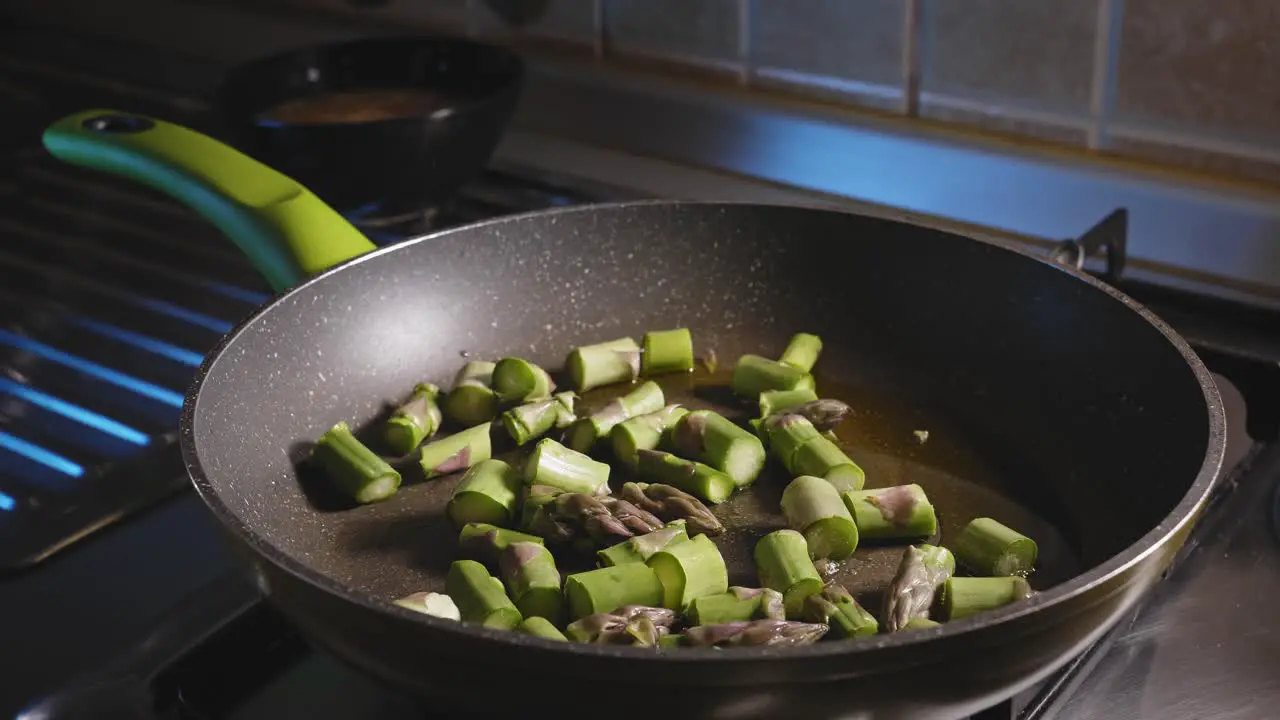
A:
[(1049, 404)]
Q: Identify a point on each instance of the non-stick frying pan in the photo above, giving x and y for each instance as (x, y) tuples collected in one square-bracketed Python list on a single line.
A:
[(1052, 402)]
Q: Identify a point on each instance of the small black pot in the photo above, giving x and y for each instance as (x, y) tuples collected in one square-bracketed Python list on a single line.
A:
[(380, 170)]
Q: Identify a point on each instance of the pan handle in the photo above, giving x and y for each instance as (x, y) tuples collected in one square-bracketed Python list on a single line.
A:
[(286, 231)]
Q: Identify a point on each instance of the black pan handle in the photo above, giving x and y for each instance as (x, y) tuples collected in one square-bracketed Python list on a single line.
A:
[(1110, 235), (123, 690)]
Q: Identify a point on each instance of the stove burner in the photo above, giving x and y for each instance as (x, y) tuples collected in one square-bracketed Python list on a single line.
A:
[(387, 229)]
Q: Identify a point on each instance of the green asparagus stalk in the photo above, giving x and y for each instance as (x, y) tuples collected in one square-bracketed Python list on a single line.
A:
[(353, 469), (484, 543), (835, 607), (773, 402), (965, 596), (458, 451), (480, 597), (433, 604), (487, 493), (738, 604), (530, 574), (692, 477), (986, 547), (557, 466), (754, 374), (534, 419), (714, 440), (643, 432), (920, 576), (825, 414), (814, 508), (802, 352), (472, 400), (606, 589), (688, 571), (640, 548), (541, 627), (920, 623), (516, 380), (787, 433), (672, 504), (754, 632), (783, 564), (645, 398), (673, 640), (414, 421), (591, 366), (902, 511), (667, 351), (822, 458), (628, 625)]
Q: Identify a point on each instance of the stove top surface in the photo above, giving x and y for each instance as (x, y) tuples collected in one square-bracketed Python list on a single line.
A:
[(102, 336)]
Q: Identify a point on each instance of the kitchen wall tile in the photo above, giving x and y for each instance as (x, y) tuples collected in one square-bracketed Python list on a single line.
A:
[(705, 29), (851, 49), (1260, 168), (1010, 65), (1206, 68)]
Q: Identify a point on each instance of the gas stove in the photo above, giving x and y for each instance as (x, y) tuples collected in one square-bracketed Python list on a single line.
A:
[(130, 607)]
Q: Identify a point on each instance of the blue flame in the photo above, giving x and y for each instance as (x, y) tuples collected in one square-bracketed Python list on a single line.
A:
[(237, 293), (7, 503), (159, 347), (181, 313), (115, 377), (45, 457), (75, 412)]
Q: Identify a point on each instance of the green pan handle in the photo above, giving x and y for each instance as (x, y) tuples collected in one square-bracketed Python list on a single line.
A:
[(287, 232)]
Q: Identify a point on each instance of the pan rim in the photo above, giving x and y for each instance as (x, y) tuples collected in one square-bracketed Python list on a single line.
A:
[(1182, 513)]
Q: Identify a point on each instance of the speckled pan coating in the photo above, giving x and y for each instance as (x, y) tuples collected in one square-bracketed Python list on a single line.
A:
[(1097, 416)]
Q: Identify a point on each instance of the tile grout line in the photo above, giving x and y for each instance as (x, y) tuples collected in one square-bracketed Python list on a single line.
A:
[(914, 17), (599, 30), (1106, 72), (746, 21)]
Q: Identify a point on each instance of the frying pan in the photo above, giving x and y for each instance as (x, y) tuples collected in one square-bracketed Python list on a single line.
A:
[(1052, 401), (375, 171)]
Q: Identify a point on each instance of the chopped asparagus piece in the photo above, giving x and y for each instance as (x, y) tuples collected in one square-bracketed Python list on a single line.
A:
[(787, 433), (643, 432), (755, 374), (433, 604), (516, 380), (920, 623), (920, 576), (480, 597), (692, 477), (834, 606), (353, 469), (783, 564), (484, 543), (530, 574), (578, 516), (688, 571), (814, 508), (645, 398), (606, 589), (802, 352), (773, 402), (737, 604), (487, 493), (628, 625), (672, 504), (987, 547), (714, 440), (965, 596), (615, 361), (458, 451), (414, 421), (754, 632), (472, 400), (557, 466), (640, 548), (671, 641), (541, 627), (902, 511), (822, 458), (534, 419), (667, 351), (825, 414)]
